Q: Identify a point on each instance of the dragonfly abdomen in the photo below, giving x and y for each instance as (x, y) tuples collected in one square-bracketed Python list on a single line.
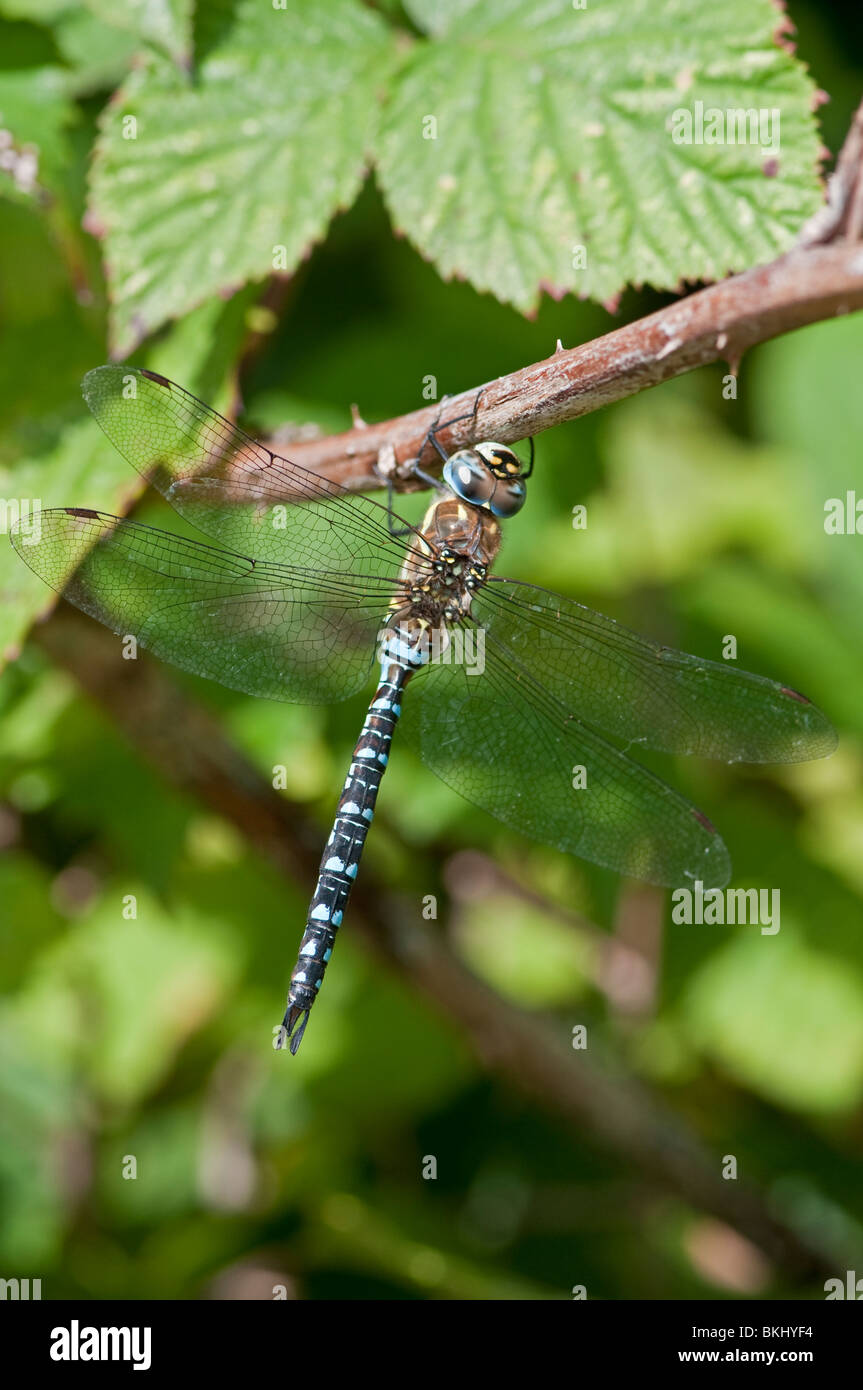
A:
[(344, 848)]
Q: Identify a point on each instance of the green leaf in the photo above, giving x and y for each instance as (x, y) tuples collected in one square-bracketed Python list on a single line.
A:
[(783, 1019), (45, 325), (436, 16), (36, 11), (553, 164), (83, 465), (98, 54), (34, 113), (37, 1103), (120, 997), (236, 174), (165, 23), (84, 469)]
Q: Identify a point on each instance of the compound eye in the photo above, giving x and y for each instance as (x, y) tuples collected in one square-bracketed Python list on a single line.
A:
[(468, 475), (508, 498)]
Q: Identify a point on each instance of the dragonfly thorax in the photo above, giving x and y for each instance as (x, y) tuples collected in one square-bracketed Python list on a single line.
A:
[(452, 571), (439, 588), (455, 549), (487, 475)]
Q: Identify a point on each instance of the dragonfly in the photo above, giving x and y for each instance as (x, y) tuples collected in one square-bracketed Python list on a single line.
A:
[(524, 701)]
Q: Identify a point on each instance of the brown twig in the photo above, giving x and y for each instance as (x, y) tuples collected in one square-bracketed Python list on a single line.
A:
[(819, 278), (584, 1090), (840, 216)]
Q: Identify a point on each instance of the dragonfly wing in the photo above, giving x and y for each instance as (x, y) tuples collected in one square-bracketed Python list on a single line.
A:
[(640, 692), (507, 744), (232, 488), (258, 628)]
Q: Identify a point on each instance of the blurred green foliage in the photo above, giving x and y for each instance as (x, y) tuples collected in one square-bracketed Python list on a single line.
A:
[(149, 1035)]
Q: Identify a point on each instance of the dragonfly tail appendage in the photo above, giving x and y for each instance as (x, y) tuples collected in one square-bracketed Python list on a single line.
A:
[(295, 1015)]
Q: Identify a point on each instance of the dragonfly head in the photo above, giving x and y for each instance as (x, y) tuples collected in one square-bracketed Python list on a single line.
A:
[(488, 475)]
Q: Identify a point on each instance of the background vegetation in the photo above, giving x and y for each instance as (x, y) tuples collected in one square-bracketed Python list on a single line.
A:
[(150, 1037)]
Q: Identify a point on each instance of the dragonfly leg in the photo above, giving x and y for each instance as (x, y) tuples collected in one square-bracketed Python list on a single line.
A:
[(428, 478), (432, 438), (398, 531), (530, 465), (438, 427)]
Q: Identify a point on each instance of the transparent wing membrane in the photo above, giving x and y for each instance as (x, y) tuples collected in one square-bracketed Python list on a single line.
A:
[(506, 744), (232, 488), (264, 629), (640, 692)]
